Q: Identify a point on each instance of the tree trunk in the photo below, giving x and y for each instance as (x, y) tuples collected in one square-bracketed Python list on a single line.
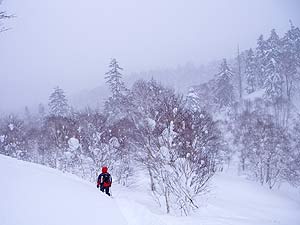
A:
[(167, 201), (152, 185), (240, 75)]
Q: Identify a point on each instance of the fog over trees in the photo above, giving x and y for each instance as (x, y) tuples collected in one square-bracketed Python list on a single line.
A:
[(247, 108)]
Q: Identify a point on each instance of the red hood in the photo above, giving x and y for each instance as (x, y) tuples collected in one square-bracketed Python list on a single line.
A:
[(104, 169)]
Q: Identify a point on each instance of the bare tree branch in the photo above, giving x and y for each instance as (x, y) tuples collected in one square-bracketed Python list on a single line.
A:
[(3, 16)]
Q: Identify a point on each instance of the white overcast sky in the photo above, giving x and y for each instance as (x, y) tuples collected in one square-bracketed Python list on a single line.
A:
[(70, 42)]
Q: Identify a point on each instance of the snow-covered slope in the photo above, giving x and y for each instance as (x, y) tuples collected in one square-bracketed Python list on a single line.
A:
[(31, 194), (232, 200)]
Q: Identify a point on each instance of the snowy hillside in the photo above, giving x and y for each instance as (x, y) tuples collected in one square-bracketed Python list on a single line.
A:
[(34, 195), (233, 200)]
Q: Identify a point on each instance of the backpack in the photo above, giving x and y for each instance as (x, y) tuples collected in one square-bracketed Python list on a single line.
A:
[(106, 180)]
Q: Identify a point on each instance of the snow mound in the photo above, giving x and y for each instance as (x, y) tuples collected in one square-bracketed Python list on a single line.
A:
[(36, 195)]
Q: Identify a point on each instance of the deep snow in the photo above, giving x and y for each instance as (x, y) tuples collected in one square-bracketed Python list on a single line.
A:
[(35, 195), (32, 194), (232, 200)]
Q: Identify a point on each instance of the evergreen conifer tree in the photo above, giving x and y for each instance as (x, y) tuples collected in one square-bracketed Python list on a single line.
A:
[(224, 90), (251, 72), (114, 79), (290, 60), (261, 51), (58, 104), (274, 80)]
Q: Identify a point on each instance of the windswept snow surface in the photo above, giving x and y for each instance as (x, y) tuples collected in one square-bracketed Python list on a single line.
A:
[(31, 194)]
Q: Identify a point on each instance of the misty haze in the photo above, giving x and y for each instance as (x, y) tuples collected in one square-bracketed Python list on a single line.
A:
[(152, 112)]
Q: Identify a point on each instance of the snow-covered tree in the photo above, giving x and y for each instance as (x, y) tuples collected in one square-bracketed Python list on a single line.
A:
[(265, 147), (273, 86), (224, 90), (292, 172), (178, 147), (261, 51), (119, 136), (251, 72), (58, 104), (13, 140), (290, 60), (119, 105), (278, 80), (54, 136), (91, 133), (274, 80), (201, 97), (114, 78)]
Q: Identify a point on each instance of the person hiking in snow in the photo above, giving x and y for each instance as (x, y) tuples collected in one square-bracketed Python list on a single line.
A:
[(104, 181)]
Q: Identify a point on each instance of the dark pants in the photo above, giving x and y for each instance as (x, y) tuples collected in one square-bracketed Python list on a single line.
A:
[(106, 190)]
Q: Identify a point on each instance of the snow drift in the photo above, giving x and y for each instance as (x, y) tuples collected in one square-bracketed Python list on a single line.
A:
[(35, 195)]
